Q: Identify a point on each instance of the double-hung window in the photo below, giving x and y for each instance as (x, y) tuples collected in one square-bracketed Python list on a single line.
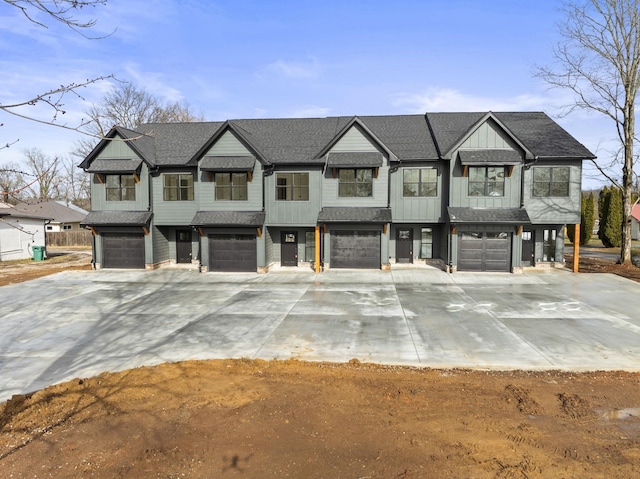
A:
[(355, 182), (178, 187), (551, 181), (486, 181), (120, 188), (292, 186), (420, 182), (231, 186)]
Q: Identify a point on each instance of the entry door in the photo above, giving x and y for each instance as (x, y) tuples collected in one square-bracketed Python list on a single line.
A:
[(183, 246), (404, 246), (289, 249), (527, 248)]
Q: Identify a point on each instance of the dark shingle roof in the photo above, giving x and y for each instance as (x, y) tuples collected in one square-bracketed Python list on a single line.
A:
[(228, 218), (54, 210), (117, 218), (177, 143), (361, 214), (227, 163), (101, 165), (449, 128), (490, 157), (354, 159), (543, 136), (407, 136), (299, 141), (459, 215)]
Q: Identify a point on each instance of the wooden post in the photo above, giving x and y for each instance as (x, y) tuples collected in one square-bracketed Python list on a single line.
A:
[(317, 249), (576, 248)]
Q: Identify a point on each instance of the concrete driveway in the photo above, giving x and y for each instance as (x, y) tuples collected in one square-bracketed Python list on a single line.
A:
[(81, 323)]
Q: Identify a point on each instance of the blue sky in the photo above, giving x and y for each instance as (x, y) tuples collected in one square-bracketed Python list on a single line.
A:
[(279, 58)]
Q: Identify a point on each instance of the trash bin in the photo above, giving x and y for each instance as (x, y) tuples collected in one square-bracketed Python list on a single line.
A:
[(38, 253)]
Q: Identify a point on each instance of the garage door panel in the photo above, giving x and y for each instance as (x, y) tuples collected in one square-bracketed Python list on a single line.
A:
[(355, 249), (484, 251), (232, 252), (123, 250)]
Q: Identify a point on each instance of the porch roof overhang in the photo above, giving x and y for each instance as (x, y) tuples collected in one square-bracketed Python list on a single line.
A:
[(227, 163), (489, 157), (228, 218), (117, 218), (503, 216), (115, 166), (354, 160), (354, 215)]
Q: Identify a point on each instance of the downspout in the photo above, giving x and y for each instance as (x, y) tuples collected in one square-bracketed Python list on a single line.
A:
[(525, 167), (93, 251)]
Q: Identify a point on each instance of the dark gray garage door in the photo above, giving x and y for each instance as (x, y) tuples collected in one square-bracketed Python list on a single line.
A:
[(355, 249), (486, 251), (123, 250), (232, 252)]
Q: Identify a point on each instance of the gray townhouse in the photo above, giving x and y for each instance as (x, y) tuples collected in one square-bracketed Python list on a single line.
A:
[(482, 191)]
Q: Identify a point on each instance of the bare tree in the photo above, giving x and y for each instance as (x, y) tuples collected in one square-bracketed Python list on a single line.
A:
[(12, 185), (46, 173), (61, 11), (74, 184), (129, 106), (599, 61)]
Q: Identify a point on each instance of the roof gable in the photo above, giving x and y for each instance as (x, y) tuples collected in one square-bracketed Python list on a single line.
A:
[(456, 131), (355, 136)]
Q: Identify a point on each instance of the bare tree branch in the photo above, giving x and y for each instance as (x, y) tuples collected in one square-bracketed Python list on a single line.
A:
[(599, 61), (61, 11)]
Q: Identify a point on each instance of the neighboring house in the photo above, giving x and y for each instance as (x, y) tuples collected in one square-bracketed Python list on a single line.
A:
[(64, 218), (19, 232), (635, 222), (468, 191)]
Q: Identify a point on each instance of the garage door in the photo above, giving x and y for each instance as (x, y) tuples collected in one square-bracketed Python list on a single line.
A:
[(123, 250), (232, 252), (487, 251), (355, 249)]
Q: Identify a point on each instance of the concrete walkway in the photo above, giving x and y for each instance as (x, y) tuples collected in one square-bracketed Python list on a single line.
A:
[(81, 323)]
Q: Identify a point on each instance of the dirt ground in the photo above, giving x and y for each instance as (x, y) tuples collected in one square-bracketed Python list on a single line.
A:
[(277, 419)]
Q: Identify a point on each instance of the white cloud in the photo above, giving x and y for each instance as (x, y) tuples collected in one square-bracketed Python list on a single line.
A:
[(448, 99), (153, 83), (293, 70), (309, 111)]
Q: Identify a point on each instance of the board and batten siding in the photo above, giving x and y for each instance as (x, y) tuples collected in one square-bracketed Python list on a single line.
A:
[(419, 209), (489, 135), (354, 140), (99, 195), (564, 210), (179, 213), (300, 213), (228, 145)]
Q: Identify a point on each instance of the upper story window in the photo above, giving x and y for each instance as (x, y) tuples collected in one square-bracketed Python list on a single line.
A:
[(486, 181), (292, 186), (231, 186), (551, 181), (420, 182), (178, 187), (120, 188), (355, 182)]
